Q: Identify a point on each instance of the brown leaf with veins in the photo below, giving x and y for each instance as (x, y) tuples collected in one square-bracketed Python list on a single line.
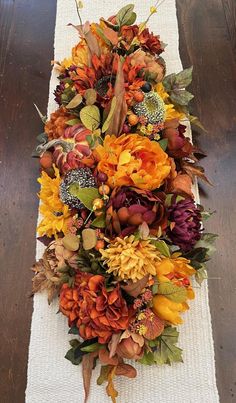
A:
[(181, 185), (87, 368), (194, 170), (118, 118), (126, 370), (111, 35), (111, 392), (134, 289)]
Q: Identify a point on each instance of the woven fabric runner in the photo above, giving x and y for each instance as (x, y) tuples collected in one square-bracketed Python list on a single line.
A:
[(53, 379)]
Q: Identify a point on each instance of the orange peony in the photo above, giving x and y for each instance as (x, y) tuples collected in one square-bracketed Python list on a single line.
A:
[(132, 160), (95, 311)]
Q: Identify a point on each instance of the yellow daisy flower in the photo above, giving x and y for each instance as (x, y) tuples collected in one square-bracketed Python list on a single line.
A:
[(55, 213), (171, 113)]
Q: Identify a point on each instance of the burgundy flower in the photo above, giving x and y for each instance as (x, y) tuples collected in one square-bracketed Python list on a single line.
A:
[(185, 227), (130, 207), (178, 145)]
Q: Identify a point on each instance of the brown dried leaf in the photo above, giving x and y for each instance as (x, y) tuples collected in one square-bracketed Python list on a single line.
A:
[(134, 289), (113, 343), (126, 370), (195, 170), (91, 40), (111, 392), (111, 35), (87, 367), (118, 118), (45, 278), (182, 185), (105, 358)]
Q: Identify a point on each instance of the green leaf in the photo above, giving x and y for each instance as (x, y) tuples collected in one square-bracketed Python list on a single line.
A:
[(85, 195), (70, 355), (148, 358), (74, 343), (99, 222), (179, 81), (132, 19), (201, 274), (167, 352), (90, 96), (124, 15), (163, 143), (184, 78), (207, 241), (91, 348), (206, 214), (172, 291), (197, 256), (72, 122), (194, 120), (42, 138), (110, 114), (104, 372), (73, 330), (162, 247), (182, 97), (76, 101), (90, 117)]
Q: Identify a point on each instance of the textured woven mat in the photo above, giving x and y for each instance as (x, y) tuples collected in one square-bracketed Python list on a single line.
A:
[(53, 379)]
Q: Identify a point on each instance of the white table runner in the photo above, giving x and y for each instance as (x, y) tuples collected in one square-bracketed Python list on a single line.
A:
[(53, 379)]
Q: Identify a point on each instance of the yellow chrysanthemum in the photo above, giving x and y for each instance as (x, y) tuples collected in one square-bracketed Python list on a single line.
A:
[(55, 213), (131, 259), (171, 113)]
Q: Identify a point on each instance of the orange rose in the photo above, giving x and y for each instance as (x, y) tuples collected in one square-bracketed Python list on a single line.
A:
[(132, 160)]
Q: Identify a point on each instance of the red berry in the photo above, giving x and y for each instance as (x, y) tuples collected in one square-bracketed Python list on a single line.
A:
[(126, 128), (102, 177)]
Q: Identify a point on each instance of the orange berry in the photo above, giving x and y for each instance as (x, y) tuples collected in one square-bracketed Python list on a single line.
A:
[(136, 219), (100, 244), (98, 204), (123, 214), (133, 119), (104, 190), (138, 96), (46, 160)]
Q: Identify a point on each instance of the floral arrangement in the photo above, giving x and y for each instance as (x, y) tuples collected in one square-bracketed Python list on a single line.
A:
[(125, 241)]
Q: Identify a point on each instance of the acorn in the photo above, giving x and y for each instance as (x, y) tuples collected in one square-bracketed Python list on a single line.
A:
[(147, 87), (138, 96), (133, 119)]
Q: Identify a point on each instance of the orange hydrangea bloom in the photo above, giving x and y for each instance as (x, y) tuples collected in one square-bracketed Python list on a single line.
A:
[(132, 160)]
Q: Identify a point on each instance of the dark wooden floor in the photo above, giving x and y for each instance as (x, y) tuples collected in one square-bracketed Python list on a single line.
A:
[(208, 41)]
